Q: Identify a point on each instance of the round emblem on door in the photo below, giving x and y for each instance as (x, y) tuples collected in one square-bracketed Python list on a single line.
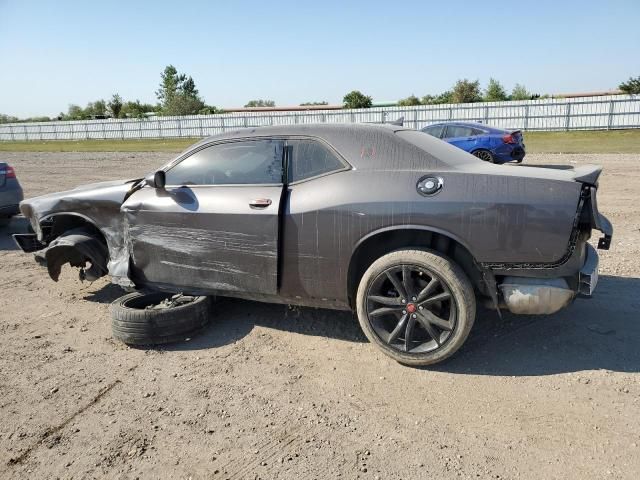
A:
[(429, 185)]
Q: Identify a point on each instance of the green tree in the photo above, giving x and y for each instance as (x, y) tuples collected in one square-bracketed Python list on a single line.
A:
[(114, 106), (631, 86), (410, 101), (444, 97), (178, 94), (260, 103), (96, 109), (170, 81), (466, 91), (136, 109), (209, 110), (495, 92), (519, 92), (75, 112), (7, 118), (357, 99), (182, 104)]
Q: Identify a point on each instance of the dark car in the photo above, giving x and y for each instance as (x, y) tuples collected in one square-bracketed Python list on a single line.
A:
[(10, 193), (404, 229), (487, 143)]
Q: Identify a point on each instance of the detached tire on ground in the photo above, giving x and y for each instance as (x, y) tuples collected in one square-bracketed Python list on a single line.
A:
[(417, 306), (157, 318)]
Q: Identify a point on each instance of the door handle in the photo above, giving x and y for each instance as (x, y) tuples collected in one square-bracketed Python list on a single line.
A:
[(260, 203)]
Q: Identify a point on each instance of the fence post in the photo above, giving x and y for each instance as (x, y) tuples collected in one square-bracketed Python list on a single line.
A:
[(415, 118), (13, 137), (526, 117), (486, 114), (222, 124), (26, 134), (200, 124), (610, 118), (567, 117), (159, 129), (39, 131)]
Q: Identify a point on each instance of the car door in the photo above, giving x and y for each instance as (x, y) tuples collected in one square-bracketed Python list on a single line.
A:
[(215, 226), (460, 136), (317, 179)]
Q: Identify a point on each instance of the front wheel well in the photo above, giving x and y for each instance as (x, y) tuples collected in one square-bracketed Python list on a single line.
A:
[(385, 242), (56, 225)]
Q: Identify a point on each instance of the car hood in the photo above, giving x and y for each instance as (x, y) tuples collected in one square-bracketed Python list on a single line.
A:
[(95, 202)]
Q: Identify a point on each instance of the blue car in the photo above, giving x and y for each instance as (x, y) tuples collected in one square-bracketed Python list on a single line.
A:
[(487, 143)]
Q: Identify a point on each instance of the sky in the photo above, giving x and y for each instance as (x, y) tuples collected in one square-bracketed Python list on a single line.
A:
[(54, 53)]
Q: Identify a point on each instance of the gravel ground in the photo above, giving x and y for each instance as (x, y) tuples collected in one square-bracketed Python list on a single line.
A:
[(276, 393)]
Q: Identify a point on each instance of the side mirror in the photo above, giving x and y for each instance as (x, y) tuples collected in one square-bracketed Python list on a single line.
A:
[(156, 180)]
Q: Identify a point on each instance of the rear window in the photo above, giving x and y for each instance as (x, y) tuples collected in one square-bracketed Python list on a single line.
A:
[(434, 130), (455, 131), (310, 158)]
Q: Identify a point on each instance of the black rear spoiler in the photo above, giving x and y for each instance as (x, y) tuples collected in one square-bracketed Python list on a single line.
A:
[(399, 122)]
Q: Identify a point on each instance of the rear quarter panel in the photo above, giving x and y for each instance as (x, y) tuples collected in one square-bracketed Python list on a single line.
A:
[(500, 219)]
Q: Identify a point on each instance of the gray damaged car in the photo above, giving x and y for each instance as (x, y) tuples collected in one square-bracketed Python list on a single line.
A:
[(402, 228)]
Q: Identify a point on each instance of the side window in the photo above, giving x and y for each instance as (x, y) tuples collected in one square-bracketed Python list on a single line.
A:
[(434, 130), (310, 158), (455, 131), (245, 162), (477, 131)]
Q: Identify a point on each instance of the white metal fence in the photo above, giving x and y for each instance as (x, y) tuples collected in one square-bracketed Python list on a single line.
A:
[(587, 113)]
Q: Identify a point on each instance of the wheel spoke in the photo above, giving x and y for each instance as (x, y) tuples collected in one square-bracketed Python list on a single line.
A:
[(429, 328), (408, 333), (435, 320), (393, 336), (406, 282), (384, 311), (436, 298), (396, 284), (390, 301), (431, 286)]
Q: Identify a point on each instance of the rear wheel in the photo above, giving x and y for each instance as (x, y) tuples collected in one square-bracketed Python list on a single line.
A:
[(485, 155), (417, 306), (156, 318)]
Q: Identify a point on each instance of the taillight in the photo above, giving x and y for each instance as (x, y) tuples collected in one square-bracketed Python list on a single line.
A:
[(508, 138), (10, 172)]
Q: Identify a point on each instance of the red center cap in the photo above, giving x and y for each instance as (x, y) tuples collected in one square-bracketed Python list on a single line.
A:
[(411, 308)]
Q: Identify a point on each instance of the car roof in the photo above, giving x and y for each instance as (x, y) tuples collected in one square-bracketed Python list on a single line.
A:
[(309, 129)]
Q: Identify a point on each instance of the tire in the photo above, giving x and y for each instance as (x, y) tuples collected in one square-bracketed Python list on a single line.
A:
[(485, 155), (457, 296), (134, 324)]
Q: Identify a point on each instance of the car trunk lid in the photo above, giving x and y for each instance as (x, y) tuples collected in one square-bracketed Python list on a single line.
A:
[(587, 174)]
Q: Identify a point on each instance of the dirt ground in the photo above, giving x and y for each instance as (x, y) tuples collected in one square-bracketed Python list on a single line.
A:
[(276, 393)]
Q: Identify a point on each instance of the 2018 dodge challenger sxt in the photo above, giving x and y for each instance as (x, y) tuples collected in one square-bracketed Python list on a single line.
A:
[(403, 228)]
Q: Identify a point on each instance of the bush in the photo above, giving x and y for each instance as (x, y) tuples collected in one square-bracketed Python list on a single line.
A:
[(410, 101)]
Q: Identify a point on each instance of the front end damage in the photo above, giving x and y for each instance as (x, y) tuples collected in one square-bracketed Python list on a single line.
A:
[(82, 227), (80, 247)]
